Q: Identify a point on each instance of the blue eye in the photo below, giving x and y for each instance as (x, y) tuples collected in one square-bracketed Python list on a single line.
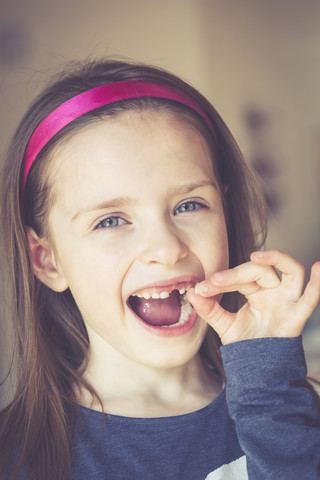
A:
[(111, 222), (190, 206)]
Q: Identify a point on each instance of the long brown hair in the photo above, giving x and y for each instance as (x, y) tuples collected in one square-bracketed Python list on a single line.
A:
[(51, 338)]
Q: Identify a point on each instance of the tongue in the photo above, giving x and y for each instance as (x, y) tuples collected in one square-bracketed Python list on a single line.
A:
[(158, 312)]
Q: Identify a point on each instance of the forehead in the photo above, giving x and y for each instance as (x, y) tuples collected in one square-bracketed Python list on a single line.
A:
[(122, 151)]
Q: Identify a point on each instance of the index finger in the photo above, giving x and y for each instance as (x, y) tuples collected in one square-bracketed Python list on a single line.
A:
[(292, 271), (247, 273)]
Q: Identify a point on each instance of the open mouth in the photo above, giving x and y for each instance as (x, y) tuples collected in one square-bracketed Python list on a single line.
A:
[(162, 308)]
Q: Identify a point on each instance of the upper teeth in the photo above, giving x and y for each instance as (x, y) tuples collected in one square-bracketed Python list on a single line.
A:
[(156, 295)]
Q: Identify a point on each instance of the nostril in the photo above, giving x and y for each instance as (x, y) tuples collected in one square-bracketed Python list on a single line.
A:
[(164, 252)]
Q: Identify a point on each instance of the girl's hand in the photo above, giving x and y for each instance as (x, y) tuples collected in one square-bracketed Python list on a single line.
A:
[(276, 307)]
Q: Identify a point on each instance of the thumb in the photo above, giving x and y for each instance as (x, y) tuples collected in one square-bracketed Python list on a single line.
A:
[(210, 310)]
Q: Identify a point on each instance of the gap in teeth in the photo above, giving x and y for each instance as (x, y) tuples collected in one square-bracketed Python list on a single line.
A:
[(161, 295)]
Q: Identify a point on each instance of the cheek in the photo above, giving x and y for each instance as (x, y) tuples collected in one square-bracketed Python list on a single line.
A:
[(213, 248), (93, 258)]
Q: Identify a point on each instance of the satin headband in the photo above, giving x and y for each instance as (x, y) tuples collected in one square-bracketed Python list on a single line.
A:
[(90, 100)]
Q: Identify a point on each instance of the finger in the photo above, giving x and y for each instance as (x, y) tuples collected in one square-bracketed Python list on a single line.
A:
[(247, 273), (246, 278), (311, 296), (211, 311), (293, 272), (206, 289)]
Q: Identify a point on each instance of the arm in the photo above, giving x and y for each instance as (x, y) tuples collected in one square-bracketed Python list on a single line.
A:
[(277, 420), (276, 417)]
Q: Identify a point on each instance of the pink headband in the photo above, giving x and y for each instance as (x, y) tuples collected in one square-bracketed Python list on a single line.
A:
[(95, 98)]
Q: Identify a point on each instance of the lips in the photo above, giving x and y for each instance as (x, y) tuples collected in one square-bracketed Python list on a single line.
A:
[(162, 306)]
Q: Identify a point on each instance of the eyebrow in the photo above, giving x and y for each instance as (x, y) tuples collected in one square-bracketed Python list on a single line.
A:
[(114, 203), (184, 189), (120, 202)]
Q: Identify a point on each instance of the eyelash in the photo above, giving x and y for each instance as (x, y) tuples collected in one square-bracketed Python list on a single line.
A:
[(197, 206), (112, 217)]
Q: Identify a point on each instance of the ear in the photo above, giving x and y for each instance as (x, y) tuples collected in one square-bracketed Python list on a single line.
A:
[(45, 265)]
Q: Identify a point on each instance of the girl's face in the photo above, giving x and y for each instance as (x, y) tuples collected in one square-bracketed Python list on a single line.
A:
[(137, 213)]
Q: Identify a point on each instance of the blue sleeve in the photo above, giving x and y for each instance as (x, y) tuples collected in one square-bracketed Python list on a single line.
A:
[(277, 419)]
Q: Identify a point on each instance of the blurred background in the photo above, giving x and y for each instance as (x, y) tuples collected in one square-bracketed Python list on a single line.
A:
[(257, 61)]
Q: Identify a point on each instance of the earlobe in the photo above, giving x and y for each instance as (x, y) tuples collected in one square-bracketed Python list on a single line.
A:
[(45, 266)]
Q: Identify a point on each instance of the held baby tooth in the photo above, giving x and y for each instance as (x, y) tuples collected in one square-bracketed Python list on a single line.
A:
[(202, 288)]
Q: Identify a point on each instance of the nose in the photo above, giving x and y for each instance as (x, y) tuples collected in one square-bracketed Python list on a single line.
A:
[(162, 243)]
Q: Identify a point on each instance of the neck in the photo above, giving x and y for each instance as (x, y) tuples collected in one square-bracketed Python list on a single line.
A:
[(133, 389)]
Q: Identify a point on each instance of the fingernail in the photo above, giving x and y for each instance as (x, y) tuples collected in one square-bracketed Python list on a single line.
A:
[(201, 288), (259, 254)]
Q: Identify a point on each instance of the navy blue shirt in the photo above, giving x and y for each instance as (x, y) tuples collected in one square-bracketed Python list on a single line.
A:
[(265, 425)]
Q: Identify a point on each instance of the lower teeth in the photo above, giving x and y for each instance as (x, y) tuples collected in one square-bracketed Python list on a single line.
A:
[(185, 313)]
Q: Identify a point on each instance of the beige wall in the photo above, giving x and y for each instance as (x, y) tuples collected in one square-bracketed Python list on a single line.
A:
[(241, 53)]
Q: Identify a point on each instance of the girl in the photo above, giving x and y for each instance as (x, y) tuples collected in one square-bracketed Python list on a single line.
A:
[(131, 223)]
